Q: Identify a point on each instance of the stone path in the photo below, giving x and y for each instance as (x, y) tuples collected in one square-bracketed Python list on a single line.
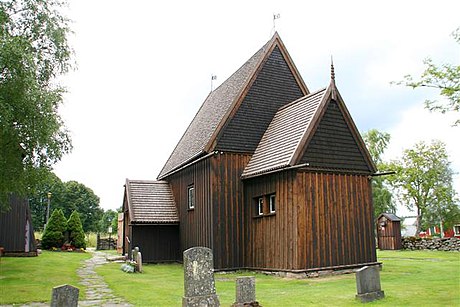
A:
[(98, 292)]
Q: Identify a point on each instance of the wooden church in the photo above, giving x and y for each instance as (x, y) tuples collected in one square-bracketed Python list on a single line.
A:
[(268, 175)]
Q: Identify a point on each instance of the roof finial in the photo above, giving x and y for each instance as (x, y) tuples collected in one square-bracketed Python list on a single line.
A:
[(332, 70)]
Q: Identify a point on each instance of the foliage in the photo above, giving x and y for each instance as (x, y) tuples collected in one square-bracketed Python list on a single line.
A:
[(75, 229), (109, 218), (376, 143), (33, 52), (31, 279), (68, 196), (81, 198), (445, 78), (424, 179), (53, 236)]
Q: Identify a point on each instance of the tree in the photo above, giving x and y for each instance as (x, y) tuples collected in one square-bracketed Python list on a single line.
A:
[(424, 179), (53, 235), (109, 218), (445, 78), (376, 143), (33, 52), (75, 229), (82, 199)]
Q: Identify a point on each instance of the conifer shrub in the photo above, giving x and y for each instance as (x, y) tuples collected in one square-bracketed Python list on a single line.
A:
[(75, 230), (54, 234)]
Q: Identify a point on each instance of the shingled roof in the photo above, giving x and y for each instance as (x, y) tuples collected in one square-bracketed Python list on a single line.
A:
[(292, 129), (284, 135), (218, 107), (150, 202)]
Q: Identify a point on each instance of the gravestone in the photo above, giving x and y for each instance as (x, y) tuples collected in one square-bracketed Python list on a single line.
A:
[(139, 262), (245, 292), (134, 253), (368, 284), (64, 296), (199, 286)]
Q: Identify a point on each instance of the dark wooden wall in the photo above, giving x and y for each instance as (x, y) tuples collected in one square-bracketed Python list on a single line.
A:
[(126, 228), (13, 227), (157, 243), (389, 237), (228, 214), (322, 220), (195, 225), (333, 144), (274, 87)]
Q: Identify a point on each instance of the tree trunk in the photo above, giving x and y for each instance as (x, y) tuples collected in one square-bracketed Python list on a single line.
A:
[(419, 222)]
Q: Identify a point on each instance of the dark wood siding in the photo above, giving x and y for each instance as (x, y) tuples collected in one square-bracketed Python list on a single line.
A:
[(228, 209), (126, 228), (274, 87), (196, 226), (322, 220), (157, 243), (270, 240), (16, 230), (333, 144), (389, 236)]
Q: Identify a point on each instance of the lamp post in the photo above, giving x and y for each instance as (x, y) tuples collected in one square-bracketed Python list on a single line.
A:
[(110, 232), (48, 208)]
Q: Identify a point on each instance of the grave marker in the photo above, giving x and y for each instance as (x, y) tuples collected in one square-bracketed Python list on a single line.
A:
[(199, 285), (64, 296), (368, 284), (245, 292)]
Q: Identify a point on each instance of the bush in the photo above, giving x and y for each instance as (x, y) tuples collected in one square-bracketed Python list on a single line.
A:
[(53, 236), (75, 229)]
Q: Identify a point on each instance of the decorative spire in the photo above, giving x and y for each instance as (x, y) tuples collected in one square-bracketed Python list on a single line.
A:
[(332, 70), (333, 87)]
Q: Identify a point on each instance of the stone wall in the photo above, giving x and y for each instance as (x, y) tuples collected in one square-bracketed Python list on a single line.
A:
[(444, 244)]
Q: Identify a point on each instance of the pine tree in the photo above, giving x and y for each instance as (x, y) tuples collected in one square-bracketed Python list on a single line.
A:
[(54, 233), (75, 229)]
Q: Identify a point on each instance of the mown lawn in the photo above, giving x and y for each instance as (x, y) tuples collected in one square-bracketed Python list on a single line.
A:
[(31, 279), (409, 278)]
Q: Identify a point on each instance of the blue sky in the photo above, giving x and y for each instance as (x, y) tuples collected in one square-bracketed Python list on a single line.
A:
[(144, 68)]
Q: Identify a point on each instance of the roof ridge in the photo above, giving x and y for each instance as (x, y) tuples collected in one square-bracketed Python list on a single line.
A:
[(298, 100)]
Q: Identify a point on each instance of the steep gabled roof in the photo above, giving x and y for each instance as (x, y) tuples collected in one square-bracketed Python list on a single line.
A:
[(392, 217), (290, 134), (284, 134), (220, 106), (150, 202)]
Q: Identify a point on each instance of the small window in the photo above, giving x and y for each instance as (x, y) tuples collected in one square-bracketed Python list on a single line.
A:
[(272, 203), (191, 197), (260, 206)]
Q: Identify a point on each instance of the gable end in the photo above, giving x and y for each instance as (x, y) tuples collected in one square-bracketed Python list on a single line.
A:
[(333, 145)]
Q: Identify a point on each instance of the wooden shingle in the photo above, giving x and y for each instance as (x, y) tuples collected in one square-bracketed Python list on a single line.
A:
[(151, 202)]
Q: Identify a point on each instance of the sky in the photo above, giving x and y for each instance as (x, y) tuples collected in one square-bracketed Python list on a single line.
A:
[(144, 68)]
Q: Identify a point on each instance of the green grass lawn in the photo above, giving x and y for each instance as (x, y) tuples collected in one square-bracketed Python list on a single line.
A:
[(409, 278), (31, 279)]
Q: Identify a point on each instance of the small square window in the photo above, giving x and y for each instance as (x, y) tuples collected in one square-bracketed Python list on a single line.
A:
[(272, 203), (260, 206), (191, 197)]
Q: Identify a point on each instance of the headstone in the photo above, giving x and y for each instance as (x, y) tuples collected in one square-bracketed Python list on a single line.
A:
[(245, 292), (368, 284), (199, 285), (64, 296), (134, 253), (139, 262)]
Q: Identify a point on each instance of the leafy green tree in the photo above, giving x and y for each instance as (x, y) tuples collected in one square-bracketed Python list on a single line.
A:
[(75, 229), (54, 234), (33, 52), (109, 218), (82, 199), (376, 143), (423, 179), (445, 78)]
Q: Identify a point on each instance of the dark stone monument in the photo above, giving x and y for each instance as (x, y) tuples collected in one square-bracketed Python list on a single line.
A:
[(245, 292), (64, 296), (199, 286), (368, 284)]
